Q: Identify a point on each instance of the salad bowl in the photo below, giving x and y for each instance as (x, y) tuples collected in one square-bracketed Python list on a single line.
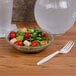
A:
[(27, 49)]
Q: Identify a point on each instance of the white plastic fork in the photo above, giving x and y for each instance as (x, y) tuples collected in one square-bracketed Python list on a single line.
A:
[(64, 50)]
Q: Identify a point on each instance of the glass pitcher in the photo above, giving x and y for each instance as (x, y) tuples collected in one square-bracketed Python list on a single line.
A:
[(55, 16), (5, 16)]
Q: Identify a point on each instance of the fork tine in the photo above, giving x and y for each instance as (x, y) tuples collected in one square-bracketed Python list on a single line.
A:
[(68, 47), (66, 44), (71, 46)]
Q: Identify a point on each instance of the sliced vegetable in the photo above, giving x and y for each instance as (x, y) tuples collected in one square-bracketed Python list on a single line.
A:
[(20, 38), (27, 35), (45, 35), (12, 34), (43, 42), (38, 38), (33, 36), (30, 30), (20, 43), (38, 30), (19, 33), (34, 44)]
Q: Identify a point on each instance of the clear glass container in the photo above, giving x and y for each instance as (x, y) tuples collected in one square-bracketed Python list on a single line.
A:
[(5, 16), (55, 16)]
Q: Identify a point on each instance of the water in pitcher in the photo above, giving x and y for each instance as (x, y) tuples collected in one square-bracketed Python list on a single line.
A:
[(53, 16), (5, 15)]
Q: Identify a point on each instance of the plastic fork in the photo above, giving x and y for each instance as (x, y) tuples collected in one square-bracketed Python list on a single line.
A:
[(64, 50)]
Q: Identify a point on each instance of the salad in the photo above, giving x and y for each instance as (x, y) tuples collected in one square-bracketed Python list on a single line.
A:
[(29, 37)]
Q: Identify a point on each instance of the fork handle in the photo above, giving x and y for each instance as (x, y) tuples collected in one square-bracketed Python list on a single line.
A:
[(48, 57)]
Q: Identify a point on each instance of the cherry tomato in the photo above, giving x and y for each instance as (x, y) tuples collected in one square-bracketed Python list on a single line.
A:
[(12, 34), (20, 43), (34, 44), (27, 35), (45, 35)]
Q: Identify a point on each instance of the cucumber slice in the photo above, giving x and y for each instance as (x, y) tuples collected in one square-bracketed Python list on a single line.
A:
[(30, 30), (19, 33), (20, 38)]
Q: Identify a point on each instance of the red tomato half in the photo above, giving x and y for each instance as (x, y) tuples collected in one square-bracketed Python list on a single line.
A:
[(27, 35), (20, 43), (34, 44), (12, 34), (45, 35)]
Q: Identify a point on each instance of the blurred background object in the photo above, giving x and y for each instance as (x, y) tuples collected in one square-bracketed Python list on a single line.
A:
[(23, 10)]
